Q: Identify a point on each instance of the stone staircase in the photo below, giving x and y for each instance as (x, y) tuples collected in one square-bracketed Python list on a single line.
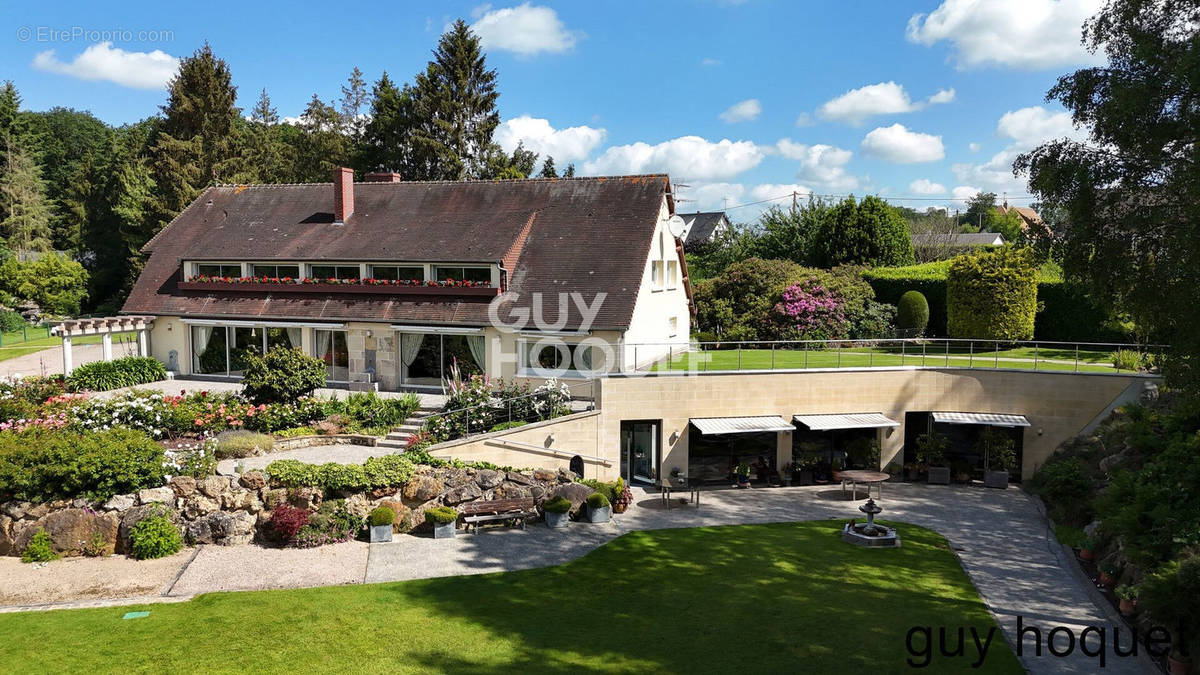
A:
[(397, 439)]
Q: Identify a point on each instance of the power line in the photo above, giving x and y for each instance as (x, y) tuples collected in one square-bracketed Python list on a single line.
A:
[(790, 195)]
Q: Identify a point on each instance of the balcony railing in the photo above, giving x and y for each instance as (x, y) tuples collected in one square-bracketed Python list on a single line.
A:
[(1077, 357)]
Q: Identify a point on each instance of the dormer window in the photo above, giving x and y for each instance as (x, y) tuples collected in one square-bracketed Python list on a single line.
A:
[(479, 275), (273, 271), (335, 272), (397, 273), (233, 270)]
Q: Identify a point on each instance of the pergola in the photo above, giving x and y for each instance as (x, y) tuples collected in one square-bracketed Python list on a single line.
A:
[(104, 327)]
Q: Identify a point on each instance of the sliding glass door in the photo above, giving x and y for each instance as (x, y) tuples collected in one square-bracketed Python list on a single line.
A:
[(331, 348), (222, 350), (427, 359)]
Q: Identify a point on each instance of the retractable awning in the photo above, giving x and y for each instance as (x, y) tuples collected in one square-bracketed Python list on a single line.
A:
[(845, 421), (991, 419), (740, 425)]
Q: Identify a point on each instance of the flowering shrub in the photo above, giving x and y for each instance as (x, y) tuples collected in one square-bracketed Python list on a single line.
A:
[(812, 311), (49, 420), (472, 407), (190, 457), (333, 281)]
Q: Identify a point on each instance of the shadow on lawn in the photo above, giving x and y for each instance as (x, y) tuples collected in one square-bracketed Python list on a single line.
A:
[(757, 597)]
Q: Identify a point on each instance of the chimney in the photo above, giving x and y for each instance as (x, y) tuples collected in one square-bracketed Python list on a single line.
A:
[(382, 177), (343, 194)]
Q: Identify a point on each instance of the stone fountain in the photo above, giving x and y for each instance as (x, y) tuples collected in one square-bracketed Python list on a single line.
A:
[(870, 533)]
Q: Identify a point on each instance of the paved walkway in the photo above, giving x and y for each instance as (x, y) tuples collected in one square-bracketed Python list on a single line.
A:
[(1000, 536), (49, 361), (317, 454)]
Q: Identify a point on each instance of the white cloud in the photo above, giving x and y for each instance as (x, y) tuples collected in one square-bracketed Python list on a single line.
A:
[(965, 192), (775, 190), (742, 111), (139, 70), (924, 186), (899, 145), (884, 98), (995, 175), (1031, 126), (525, 30), (685, 158), (710, 61), (805, 120), (572, 144), (974, 147), (710, 196), (1028, 34), (821, 164)]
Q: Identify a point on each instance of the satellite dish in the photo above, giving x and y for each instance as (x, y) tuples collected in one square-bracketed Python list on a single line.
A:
[(677, 226)]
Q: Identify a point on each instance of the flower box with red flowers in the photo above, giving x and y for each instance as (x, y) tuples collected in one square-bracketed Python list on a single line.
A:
[(449, 287)]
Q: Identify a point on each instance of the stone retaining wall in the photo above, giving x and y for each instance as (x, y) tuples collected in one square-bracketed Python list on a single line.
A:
[(230, 510), (297, 442)]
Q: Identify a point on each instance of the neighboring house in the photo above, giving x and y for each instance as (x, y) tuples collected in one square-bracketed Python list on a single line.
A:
[(703, 227), (1029, 217), (958, 239), (396, 282)]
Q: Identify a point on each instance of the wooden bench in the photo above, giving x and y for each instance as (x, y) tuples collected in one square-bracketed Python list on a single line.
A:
[(516, 510)]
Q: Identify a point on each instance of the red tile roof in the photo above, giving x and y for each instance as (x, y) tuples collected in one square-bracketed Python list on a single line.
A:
[(586, 235)]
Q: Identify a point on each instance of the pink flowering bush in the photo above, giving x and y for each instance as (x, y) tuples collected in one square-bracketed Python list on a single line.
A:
[(811, 311)]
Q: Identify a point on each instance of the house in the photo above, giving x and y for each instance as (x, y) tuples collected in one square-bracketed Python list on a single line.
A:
[(703, 227), (1029, 217), (957, 240), (394, 282)]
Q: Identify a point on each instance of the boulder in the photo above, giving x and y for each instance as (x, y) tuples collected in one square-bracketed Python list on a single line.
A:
[(253, 480), (456, 477), (273, 499), (305, 497), (199, 532), (358, 505), (575, 493), (241, 500), (161, 495), (120, 503), (537, 492), (183, 486), (134, 516), (22, 532), (545, 475), (488, 479), (73, 530), (404, 521), (565, 476), (213, 486), (37, 511), (463, 493), (198, 506), (6, 535), (15, 510), (1092, 529), (510, 491), (519, 478), (422, 488)]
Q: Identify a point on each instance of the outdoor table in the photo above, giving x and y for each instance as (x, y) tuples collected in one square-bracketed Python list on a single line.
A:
[(667, 486), (856, 476)]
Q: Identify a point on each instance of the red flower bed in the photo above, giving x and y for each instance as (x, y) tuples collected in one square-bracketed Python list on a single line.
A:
[(448, 283)]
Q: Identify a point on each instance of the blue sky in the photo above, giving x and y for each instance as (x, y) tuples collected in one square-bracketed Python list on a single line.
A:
[(922, 102)]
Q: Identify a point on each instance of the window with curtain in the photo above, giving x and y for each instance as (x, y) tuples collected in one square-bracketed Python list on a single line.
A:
[(288, 338), (274, 271), (209, 353), (397, 273), (219, 270), (335, 272), (247, 341), (461, 273), (331, 348)]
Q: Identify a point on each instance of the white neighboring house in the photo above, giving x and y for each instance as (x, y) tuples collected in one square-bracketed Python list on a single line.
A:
[(703, 227)]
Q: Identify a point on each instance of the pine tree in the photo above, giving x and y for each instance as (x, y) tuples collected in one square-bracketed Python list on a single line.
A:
[(354, 98), (386, 142), (26, 223), (548, 170), (454, 109), (268, 157), (10, 106), (196, 139), (569, 172), (322, 146)]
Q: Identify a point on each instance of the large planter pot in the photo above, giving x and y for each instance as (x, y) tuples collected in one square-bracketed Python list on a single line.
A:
[(557, 520), (939, 475), (996, 479), (1107, 580), (1087, 554), (600, 515), (1127, 607), (443, 531), (1178, 666), (381, 533), (619, 507)]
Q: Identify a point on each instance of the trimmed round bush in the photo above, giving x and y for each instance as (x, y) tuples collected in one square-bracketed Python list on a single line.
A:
[(281, 376), (559, 504), (992, 295), (597, 501), (441, 515), (154, 536), (43, 465), (382, 515), (912, 312)]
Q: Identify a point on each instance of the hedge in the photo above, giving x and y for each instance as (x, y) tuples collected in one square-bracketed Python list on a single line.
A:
[(1069, 314), (45, 465), (128, 371), (992, 295), (376, 472)]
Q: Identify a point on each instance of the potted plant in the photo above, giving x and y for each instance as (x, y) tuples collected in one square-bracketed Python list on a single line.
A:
[(443, 519), (558, 512), (743, 475), (1169, 597), (931, 451), (1087, 549), (1128, 597), (382, 520), (785, 474), (912, 471), (598, 508), (624, 497), (1108, 573), (999, 457)]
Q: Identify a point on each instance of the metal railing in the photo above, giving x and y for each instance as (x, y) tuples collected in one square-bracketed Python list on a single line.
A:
[(480, 418), (1038, 355)]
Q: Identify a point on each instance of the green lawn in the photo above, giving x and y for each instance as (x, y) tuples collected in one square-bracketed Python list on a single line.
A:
[(753, 598), (13, 345), (1023, 358)]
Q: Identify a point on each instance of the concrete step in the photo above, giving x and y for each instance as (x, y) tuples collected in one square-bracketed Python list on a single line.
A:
[(391, 445)]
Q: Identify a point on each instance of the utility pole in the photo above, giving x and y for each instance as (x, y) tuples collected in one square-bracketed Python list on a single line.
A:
[(793, 202)]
